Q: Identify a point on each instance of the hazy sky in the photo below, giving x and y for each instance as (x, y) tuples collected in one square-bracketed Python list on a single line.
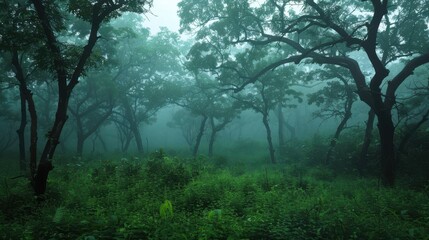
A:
[(163, 14)]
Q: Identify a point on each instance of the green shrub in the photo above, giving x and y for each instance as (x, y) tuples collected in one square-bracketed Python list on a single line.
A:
[(127, 200), (322, 174), (167, 172)]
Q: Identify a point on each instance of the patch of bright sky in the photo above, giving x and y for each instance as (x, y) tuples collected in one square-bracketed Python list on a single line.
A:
[(163, 14)]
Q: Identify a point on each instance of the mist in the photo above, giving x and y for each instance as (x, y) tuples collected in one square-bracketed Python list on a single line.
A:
[(214, 119)]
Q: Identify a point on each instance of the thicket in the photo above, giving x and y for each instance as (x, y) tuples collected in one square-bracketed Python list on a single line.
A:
[(165, 197)]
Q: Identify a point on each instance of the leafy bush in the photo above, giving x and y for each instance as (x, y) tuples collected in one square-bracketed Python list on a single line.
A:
[(167, 171), (127, 200)]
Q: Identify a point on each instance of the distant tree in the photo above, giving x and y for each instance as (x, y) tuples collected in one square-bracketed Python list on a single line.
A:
[(413, 112), (188, 124), (207, 100), (328, 33), (145, 76), (90, 107), (8, 138), (8, 120), (263, 97), (335, 101), (197, 97), (280, 129), (223, 111), (282, 124), (272, 90)]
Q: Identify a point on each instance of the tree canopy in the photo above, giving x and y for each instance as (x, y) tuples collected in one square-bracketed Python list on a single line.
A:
[(322, 32)]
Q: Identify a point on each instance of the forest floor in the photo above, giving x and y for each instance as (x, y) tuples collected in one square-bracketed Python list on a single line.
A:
[(166, 197)]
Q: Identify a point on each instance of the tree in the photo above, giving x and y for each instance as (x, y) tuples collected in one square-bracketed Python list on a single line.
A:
[(413, 112), (328, 33), (197, 97), (212, 104), (20, 40), (8, 119), (335, 101), (223, 111), (188, 125), (90, 107), (146, 76), (264, 96), (67, 61)]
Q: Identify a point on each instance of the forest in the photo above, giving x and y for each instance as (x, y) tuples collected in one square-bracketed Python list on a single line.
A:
[(255, 120)]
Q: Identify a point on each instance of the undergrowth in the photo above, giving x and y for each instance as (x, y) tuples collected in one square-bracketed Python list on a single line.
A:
[(166, 197)]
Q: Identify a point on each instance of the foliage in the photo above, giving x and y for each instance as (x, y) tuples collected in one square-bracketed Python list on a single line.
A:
[(337, 97), (167, 171), (125, 200), (166, 210)]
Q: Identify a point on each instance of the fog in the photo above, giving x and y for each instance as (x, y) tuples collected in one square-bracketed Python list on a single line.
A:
[(214, 119)]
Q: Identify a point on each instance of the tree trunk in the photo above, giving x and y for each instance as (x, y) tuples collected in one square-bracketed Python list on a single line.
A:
[(212, 136), (33, 130), (363, 160), (124, 134), (292, 131), (100, 138), (138, 138), (84, 132), (33, 136), (347, 115), (199, 136), (215, 129), (79, 134), (334, 140), (340, 128), (23, 92), (28, 97), (386, 130), (134, 127), (79, 145), (126, 144), (45, 163), (269, 138), (21, 133), (64, 87), (281, 129)]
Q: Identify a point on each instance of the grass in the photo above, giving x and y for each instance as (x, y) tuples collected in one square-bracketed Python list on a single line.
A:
[(174, 198)]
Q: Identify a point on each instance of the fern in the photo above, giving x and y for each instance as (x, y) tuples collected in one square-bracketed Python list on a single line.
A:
[(166, 210)]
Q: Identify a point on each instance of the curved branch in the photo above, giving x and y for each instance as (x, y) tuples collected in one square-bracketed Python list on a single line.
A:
[(402, 75)]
